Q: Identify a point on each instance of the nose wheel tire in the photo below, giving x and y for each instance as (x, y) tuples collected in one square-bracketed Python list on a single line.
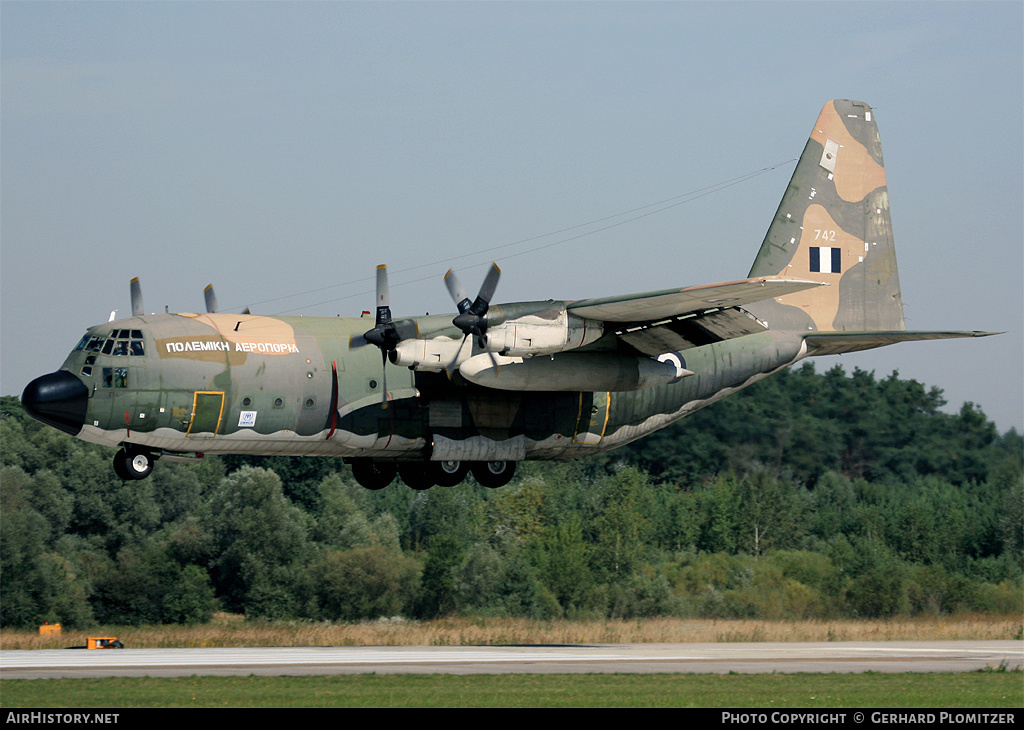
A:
[(132, 464)]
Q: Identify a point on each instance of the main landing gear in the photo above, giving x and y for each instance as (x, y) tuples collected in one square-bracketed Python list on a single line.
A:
[(422, 475)]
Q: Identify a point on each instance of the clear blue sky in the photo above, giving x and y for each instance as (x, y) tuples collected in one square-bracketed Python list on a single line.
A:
[(282, 150)]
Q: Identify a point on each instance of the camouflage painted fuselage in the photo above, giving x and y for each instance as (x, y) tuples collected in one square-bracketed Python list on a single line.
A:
[(222, 383)]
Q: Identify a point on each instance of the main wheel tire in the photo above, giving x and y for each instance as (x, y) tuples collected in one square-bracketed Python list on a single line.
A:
[(132, 464), (417, 475), (493, 474), (374, 474), (449, 473)]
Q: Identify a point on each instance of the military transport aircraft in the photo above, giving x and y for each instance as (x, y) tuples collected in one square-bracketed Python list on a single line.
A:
[(432, 398)]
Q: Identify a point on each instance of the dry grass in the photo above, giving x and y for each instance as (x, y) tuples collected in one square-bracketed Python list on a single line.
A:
[(229, 630)]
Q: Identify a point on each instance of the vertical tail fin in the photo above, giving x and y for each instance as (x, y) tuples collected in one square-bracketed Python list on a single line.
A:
[(833, 225)]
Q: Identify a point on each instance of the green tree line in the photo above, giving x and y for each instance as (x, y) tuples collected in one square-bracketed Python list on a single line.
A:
[(808, 495)]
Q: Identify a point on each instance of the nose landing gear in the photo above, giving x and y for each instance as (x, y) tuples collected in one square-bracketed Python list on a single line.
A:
[(131, 463)]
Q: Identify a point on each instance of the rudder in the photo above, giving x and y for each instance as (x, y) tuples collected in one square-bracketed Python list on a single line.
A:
[(833, 225)]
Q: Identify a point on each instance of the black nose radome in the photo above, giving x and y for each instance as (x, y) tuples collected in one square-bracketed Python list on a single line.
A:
[(59, 400)]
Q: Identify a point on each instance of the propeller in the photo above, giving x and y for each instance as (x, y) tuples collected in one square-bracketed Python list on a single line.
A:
[(139, 310), (472, 317), (136, 291), (211, 299), (384, 333)]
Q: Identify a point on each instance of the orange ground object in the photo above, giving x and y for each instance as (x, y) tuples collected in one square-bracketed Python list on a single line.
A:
[(103, 642)]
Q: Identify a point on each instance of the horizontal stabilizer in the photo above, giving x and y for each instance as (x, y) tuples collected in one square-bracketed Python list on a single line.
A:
[(673, 302), (837, 343)]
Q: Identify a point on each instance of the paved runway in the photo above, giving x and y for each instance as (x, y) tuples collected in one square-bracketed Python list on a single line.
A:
[(745, 658)]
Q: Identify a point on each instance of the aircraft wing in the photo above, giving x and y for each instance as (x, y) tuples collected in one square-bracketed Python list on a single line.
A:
[(673, 320), (655, 305)]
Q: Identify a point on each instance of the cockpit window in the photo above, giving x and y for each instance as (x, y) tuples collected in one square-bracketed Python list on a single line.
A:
[(91, 343), (115, 377), (87, 368), (118, 343)]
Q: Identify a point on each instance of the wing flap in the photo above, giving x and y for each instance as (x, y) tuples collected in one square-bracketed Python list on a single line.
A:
[(690, 330), (655, 305)]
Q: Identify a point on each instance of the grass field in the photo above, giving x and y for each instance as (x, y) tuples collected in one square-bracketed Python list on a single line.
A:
[(767, 691), (232, 631), (989, 689)]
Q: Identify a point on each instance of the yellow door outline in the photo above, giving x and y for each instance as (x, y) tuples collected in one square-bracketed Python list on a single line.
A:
[(592, 419), (207, 412)]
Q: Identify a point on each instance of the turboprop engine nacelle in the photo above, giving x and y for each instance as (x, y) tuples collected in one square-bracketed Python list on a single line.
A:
[(434, 354), (543, 330), (543, 333), (579, 372)]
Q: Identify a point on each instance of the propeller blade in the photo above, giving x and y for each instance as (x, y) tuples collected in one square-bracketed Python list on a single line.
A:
[(461, 356), (383, 297), (211, 299), (459, 295), (483, 299), (136, 292), (384, 333), (494, 361)]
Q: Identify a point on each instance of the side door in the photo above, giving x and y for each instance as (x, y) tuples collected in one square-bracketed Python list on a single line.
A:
[(592, 419), (207, 414)]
